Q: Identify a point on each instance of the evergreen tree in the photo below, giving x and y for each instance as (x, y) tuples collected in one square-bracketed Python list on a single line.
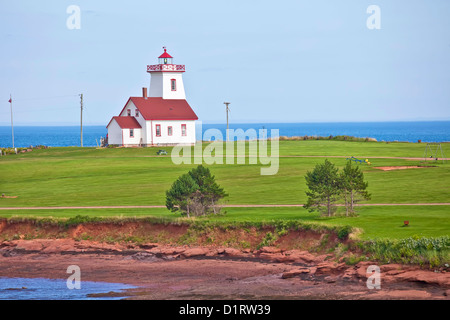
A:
[(210, 190), (353, 187), (195, 193), (323, 184), (181, 194)]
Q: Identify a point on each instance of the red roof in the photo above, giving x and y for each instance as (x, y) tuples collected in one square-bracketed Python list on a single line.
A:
[(126, 122), (165, 55), (156, 108)]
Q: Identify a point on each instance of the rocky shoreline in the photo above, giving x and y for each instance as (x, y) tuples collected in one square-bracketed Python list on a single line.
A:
[(212, 272)]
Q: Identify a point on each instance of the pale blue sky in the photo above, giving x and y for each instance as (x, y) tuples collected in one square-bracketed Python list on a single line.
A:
[(275, 61)]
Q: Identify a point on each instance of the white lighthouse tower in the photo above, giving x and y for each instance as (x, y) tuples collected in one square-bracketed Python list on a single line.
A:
[(166, 78)]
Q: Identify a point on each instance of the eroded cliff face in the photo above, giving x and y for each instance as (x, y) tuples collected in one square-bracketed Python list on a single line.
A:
[(170, 261)]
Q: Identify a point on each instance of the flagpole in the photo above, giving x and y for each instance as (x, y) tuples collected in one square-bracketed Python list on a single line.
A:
[(12, 125)]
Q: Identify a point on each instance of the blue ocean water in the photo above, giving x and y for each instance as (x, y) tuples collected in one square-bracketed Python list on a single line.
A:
[(54, 289), (59, 136), (427, 131)]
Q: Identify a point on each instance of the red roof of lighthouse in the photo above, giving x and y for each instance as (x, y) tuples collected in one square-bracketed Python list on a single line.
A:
[(126, 122), (156, 108), (165, 54)]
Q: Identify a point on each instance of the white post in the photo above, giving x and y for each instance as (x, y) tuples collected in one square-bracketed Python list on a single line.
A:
[(227, 109), (12, 125), (81, 119)]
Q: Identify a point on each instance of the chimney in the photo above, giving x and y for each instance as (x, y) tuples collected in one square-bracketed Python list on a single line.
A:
[(144, 93)]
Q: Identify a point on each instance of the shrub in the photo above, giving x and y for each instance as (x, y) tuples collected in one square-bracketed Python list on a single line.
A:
[(343, 232), (433, 252), (268, 240), (196, 193), (80, 220)]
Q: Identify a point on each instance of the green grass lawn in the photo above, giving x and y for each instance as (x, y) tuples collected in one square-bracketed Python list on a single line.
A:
[(93, 177), (359, 150)]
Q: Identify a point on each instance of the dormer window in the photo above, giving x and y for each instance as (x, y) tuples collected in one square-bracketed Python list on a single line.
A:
[(129, 112), (173, 84), (136, 114)]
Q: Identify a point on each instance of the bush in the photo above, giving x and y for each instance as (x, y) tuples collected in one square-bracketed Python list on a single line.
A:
[(343, 232), (433, 252), (330, 137), (195, 193), (268, 240), (80, 220)]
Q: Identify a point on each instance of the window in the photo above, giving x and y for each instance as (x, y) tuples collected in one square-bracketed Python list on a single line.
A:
[(136, 113), (173, 84), (169, 131), (131, 133), (129, 112), (183, 130), (158, 130)]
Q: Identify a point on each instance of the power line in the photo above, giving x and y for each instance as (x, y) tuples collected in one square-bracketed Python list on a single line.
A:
[(43, 98), (46, 109), (31, 109)]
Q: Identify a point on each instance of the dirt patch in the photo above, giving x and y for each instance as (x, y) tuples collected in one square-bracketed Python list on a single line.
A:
[(130, 231), (30, 231), (304, 240), (110, 232), (2, 225), (401, 167), (242, 238)]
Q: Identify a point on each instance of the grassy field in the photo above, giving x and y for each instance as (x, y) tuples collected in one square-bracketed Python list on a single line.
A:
[(108, 177)]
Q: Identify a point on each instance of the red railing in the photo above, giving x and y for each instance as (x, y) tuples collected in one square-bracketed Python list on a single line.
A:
[(166, 67)]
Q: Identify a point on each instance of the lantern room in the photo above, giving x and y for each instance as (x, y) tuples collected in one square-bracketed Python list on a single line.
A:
[(165, 58), (165, 64)]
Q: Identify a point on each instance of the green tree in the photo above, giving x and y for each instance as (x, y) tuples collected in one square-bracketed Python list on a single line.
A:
[(180, 197), (210, 191), (195, 192), (353, 187), (323, 184)]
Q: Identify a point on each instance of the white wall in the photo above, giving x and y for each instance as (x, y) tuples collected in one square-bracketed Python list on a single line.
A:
[(160, 85), (176, 132), (130, 105), (114, 133), (127, 140), (119, 136)]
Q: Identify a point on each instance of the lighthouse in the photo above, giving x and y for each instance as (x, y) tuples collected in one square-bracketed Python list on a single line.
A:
[(166, 78), (163, 117)]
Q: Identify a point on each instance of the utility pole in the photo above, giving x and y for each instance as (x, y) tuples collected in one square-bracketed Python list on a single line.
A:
[(81, 119), (227, 109), (12, 125)]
